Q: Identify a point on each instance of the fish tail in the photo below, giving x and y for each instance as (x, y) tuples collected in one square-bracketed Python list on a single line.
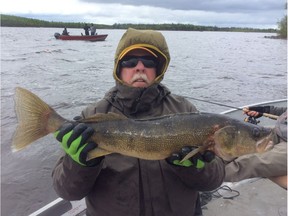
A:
[(36, 119)]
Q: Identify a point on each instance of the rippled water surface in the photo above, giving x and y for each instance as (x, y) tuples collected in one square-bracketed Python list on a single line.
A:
[(230, 68)]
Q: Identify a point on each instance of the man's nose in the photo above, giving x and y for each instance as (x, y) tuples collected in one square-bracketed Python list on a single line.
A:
[(140, 66)]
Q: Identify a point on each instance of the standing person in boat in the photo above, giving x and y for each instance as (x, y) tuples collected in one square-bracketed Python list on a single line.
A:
[(93, 29), (65, 32), (86, 28), (119, 185), (271, 164)]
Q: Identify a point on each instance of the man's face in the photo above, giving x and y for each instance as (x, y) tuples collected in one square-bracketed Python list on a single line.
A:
[(138, 68)]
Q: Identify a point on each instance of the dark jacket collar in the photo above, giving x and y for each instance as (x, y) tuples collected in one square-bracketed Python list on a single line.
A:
[(134, 101)]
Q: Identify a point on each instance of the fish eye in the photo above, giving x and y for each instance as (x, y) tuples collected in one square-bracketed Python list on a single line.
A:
[(256, 132)]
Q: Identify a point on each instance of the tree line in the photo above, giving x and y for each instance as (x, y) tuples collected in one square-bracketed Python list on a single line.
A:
[(282, 25), (16, 21)]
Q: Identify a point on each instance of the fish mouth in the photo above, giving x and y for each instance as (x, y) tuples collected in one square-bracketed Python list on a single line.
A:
[(265, 144), (269, 146)]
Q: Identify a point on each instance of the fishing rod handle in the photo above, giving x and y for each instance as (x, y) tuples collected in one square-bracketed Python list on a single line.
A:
[(275, 117)]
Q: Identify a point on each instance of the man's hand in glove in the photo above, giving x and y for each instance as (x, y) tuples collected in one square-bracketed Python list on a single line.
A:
[(74, 141), (256, 111), (198, 160)]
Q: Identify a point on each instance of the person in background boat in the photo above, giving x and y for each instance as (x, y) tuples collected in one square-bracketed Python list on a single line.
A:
[(93, 29), (86, 28), (271, 164), (65, 32), (119, 185)]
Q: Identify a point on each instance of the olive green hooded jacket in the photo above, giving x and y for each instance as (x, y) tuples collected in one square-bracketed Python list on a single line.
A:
[(127, 186)]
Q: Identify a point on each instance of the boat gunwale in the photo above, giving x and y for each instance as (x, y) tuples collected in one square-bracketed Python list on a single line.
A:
[(98, 37), (255, 104)]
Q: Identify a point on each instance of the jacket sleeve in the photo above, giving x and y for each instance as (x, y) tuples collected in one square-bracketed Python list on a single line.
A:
[(101, 106), (268, 164), (277, 110), (72, 181), (183, 104), (206, 179)]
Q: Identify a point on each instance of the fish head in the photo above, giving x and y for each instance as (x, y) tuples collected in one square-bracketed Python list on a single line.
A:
[(235, 140)]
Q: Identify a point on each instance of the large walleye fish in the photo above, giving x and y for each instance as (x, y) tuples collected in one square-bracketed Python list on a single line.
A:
[(152, 139)]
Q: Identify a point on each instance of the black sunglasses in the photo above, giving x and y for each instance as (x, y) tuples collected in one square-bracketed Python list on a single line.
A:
[(132, 61)]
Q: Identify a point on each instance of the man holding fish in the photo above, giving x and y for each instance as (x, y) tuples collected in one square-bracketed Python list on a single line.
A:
[(115, 184), (140, 150)]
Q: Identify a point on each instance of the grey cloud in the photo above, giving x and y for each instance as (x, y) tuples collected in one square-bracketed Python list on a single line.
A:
[(222, 13), (204, 5)]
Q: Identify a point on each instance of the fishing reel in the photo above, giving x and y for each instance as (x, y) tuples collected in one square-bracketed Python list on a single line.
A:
[(251, 120)]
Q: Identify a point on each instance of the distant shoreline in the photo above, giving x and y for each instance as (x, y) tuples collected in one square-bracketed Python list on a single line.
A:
[(16, 21)]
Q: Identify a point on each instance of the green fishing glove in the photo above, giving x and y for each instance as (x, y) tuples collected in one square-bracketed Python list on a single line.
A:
[(74, 141), (197, 160)]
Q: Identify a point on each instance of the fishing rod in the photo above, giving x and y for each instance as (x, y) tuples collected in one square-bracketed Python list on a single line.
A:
[(233, 107), (216, 103)]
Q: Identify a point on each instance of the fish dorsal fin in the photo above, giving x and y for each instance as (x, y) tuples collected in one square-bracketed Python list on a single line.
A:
[(100, 117)]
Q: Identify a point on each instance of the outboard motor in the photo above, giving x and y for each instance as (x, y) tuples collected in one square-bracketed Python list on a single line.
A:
[(56, 35)]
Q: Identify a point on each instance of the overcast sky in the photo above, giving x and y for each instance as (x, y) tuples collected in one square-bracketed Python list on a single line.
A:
[(221, 13)]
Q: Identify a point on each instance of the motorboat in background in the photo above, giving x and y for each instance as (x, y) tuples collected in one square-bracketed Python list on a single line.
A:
[(98, 37)]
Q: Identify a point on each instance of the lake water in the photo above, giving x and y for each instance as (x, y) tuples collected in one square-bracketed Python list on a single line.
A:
[(230, 68)]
